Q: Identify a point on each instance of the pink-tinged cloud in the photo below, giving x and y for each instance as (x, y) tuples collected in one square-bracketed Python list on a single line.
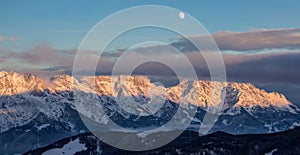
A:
[(14, 38), (42, 59)]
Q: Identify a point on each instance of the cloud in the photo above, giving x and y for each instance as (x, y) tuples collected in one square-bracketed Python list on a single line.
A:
[(45, 54), (264, 68), (272, 67), (247, 41), (11, 38), (14, 38), (279, 67), (1, 59), (42, 60), (275, 67), (41, 54)]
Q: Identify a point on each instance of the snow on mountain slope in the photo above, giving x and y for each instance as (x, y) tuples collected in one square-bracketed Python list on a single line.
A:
[(24, 96), (34, 112)]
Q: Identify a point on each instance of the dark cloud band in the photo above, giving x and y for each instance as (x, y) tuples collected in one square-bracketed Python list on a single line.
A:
[(247, 41)]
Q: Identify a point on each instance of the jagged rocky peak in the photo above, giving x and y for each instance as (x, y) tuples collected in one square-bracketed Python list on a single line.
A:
[(2, 73), (209, 94), (133, 85), (249, 96), (62, 83), (102, 85), (200, 93), (118, 85), (16, 83)]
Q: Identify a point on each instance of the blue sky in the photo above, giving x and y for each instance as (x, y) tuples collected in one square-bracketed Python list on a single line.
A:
[(64, 23)]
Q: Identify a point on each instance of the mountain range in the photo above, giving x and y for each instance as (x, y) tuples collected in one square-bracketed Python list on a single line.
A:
[(35, 112)]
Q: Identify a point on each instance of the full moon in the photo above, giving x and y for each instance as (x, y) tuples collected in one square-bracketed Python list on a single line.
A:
[(181, 15)]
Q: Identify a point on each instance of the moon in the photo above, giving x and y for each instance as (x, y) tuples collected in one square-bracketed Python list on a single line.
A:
[(181, 15)]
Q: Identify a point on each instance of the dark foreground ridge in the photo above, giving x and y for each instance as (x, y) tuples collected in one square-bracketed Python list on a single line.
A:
[(287, 142)]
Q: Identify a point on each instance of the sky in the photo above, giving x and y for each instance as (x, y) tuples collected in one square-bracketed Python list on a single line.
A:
[(54, 21), (259, 40)]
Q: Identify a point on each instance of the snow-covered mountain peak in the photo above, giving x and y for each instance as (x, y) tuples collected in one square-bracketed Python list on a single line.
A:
[(249, 96), (200, 93), (16, 83), (132, 86), (62, 83)]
